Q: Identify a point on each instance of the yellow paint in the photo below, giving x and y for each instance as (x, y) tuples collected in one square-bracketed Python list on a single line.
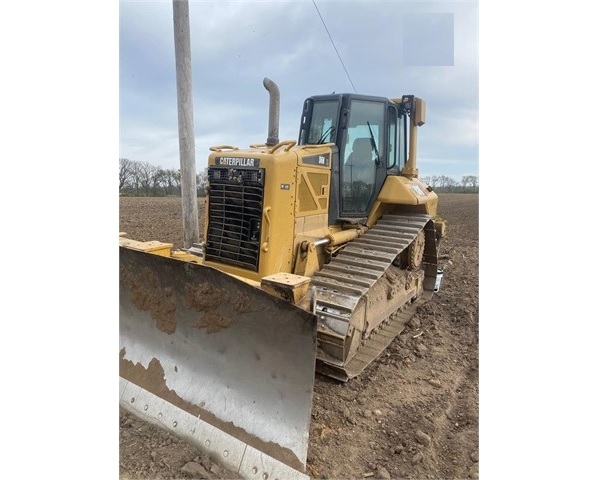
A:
[(153, 246)]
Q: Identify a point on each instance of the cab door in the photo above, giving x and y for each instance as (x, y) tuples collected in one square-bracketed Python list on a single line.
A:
[(363, 156)]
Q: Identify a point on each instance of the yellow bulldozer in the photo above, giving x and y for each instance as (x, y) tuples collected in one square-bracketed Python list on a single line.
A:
[(315, 254)]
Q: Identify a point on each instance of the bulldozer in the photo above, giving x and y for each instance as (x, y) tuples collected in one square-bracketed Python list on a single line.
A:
[(316, 253)]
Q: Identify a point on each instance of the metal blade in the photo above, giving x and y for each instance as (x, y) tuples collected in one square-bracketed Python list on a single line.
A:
[(218, 362)]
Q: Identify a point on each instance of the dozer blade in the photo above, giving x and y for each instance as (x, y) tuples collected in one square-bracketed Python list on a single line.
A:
[(219, 363)]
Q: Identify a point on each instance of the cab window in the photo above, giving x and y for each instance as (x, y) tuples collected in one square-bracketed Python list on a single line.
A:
[(362, 150)]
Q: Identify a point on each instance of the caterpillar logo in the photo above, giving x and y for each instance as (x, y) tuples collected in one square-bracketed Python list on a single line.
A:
[(237, 162)]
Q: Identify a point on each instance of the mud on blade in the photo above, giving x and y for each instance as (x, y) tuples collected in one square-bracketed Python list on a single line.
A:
[(217, 362)]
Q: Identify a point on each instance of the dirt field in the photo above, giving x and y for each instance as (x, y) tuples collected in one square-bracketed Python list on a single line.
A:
[(413, 414)]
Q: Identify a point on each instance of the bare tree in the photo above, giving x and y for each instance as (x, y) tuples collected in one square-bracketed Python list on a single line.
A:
[(126, 169), (134, 181), (452, 183), (145, 174), (202, 182), (159, 180), (471, 181), (446, 183), (168, 182), (176, 178)]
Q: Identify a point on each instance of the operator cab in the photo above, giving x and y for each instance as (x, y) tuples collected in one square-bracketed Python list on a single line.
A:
[(370, 136)]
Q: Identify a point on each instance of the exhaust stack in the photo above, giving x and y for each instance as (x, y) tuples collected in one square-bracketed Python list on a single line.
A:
[(273, 89)]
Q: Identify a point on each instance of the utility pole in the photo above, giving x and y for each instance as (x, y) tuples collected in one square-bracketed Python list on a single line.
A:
[(185, 110)]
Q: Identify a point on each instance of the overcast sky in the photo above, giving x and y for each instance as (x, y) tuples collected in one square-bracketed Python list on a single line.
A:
[(383, 48)]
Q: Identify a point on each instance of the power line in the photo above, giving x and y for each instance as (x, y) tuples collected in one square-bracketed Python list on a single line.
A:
[(334, 47)]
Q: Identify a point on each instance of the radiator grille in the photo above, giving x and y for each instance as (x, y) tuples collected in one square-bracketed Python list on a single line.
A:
[(235, 204)]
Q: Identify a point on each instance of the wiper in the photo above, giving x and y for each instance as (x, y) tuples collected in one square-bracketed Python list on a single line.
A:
[(330, 130), (374, 145)]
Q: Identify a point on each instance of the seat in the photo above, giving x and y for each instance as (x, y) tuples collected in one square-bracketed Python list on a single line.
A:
[(359, 177), (362, 153)]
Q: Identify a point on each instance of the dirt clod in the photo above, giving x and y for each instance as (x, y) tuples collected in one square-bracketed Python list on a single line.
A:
[(194, 470), (383, 473), (422, 438)]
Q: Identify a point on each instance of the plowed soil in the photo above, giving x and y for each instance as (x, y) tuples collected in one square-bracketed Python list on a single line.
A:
[(413, 413)]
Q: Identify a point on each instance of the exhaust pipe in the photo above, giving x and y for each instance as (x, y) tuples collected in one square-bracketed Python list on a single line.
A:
[(273, 89)]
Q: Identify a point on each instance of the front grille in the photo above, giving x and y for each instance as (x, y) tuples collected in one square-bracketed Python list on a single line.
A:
[(235, 204)]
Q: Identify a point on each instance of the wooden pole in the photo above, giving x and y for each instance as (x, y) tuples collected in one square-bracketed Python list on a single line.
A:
[(187, 155)]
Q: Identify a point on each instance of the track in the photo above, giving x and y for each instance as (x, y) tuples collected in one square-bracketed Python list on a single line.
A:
[(349, 290)]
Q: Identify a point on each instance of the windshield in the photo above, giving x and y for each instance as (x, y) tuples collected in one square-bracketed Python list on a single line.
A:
[(323, 122)]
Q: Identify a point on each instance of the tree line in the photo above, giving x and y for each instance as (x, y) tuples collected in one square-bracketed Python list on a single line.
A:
[(143, 179), (442, 183)]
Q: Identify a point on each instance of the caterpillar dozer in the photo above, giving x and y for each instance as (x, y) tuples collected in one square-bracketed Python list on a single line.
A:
[(315, 254)]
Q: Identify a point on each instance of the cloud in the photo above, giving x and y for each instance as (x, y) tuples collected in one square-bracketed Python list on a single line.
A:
[(236, 44)]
